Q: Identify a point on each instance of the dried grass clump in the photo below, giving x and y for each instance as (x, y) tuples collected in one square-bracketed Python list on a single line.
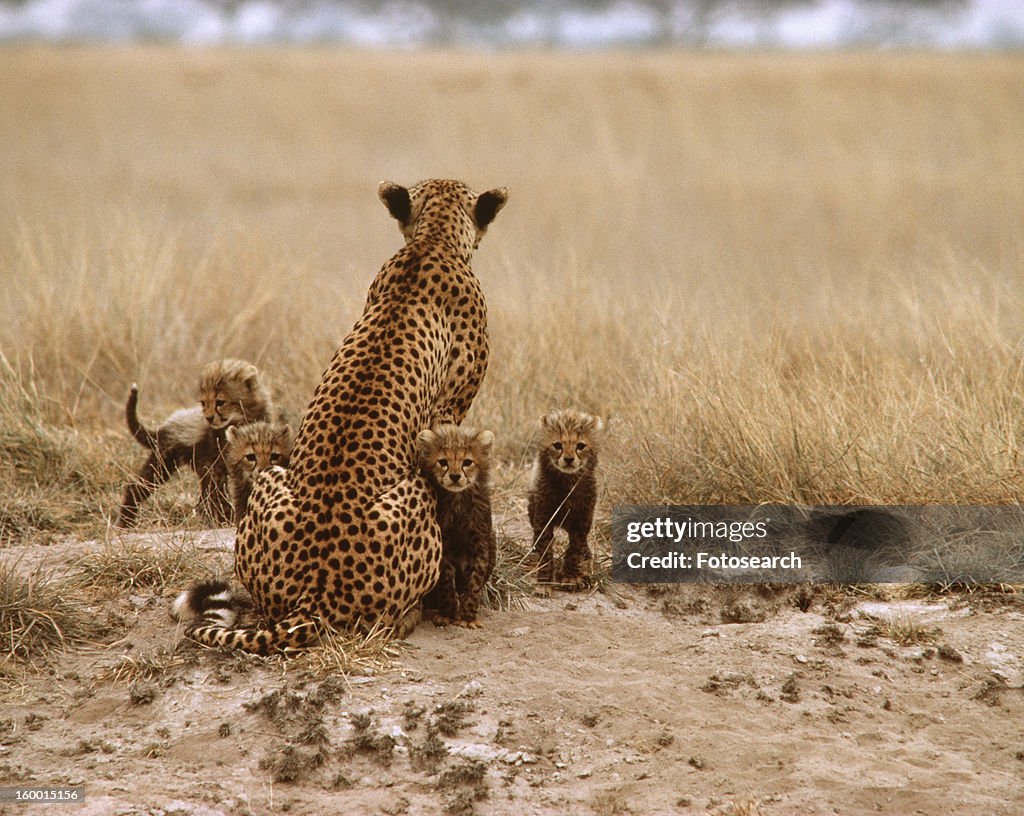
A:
[(38, 614), (342, 654), (131, 565)]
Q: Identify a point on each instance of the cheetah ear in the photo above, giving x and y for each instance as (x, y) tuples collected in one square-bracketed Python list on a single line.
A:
[(251, 376), (425, 440), (485, 439), (231, 434), (548, 421), (488, 204), (595, 424), (396, 199)]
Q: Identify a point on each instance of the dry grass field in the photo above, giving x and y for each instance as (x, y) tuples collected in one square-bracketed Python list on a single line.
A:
[(782, 278)]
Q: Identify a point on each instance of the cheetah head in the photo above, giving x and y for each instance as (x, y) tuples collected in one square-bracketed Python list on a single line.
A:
[(258, 446), (570, 439), (231, 392), (455, 458), (437, 201)]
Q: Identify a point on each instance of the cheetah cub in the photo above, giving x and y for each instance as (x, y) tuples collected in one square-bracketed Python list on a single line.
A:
[(231, 392), (250, 449), (457, 463), (563, 492)]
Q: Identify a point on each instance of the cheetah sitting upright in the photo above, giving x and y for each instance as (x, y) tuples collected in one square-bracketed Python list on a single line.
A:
[(231, 392), (348, 535), (250, 449), (563, 492), (457, 463)]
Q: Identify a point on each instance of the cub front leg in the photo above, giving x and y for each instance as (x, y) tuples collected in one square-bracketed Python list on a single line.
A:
[(443, 598), (577, 556), (545, 558), (477, 572)]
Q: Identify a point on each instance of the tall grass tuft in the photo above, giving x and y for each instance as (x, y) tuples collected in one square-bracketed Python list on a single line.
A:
[(38, 616)]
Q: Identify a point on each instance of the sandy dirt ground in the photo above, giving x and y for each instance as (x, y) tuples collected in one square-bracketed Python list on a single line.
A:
[(628, 700)]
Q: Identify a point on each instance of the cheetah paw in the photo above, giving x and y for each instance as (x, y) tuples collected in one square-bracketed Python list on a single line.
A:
[(574, 583)]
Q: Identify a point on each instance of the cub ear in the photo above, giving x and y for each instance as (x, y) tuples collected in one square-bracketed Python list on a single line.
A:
[(548, 421), (488, 204), (396, 199), (231, 435), (251, 376), (425, 441), (485, 439), (595, 424)]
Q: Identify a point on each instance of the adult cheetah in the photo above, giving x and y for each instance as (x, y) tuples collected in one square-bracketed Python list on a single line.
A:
[(348, 535)]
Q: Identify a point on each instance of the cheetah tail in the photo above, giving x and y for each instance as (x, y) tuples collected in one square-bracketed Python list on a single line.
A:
[(142, 434), (212, 601), (291, 634)]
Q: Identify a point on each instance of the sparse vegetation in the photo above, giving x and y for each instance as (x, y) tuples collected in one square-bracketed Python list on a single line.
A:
[(511, 579), (132, 668), (345, 653), (134, 566), (467, 783), (904, 630), (366, 739), (39, 615)]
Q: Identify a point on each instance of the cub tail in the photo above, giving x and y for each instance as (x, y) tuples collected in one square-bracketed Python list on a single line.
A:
[(142, 434)]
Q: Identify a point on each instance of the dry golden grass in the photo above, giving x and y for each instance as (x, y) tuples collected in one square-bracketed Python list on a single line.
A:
[(789, 278), (38, 615)]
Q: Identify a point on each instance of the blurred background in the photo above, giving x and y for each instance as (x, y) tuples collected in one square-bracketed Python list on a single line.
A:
[(526, 23)]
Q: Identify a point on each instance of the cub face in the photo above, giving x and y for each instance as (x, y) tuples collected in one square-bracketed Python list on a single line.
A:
[(569, 439), (454, 458), (231, 392), (257, 446)]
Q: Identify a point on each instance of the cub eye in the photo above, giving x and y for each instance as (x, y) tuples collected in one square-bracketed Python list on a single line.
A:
[(580, 446), (275, 457), (443, 463), (250, 457), (467, 463), (557, 446), (219, 403)]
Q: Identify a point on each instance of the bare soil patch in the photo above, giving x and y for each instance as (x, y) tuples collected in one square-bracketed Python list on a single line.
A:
[(659, 700)]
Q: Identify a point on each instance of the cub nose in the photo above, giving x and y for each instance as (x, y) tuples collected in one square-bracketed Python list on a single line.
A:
[(454, 477), (568, 460)]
